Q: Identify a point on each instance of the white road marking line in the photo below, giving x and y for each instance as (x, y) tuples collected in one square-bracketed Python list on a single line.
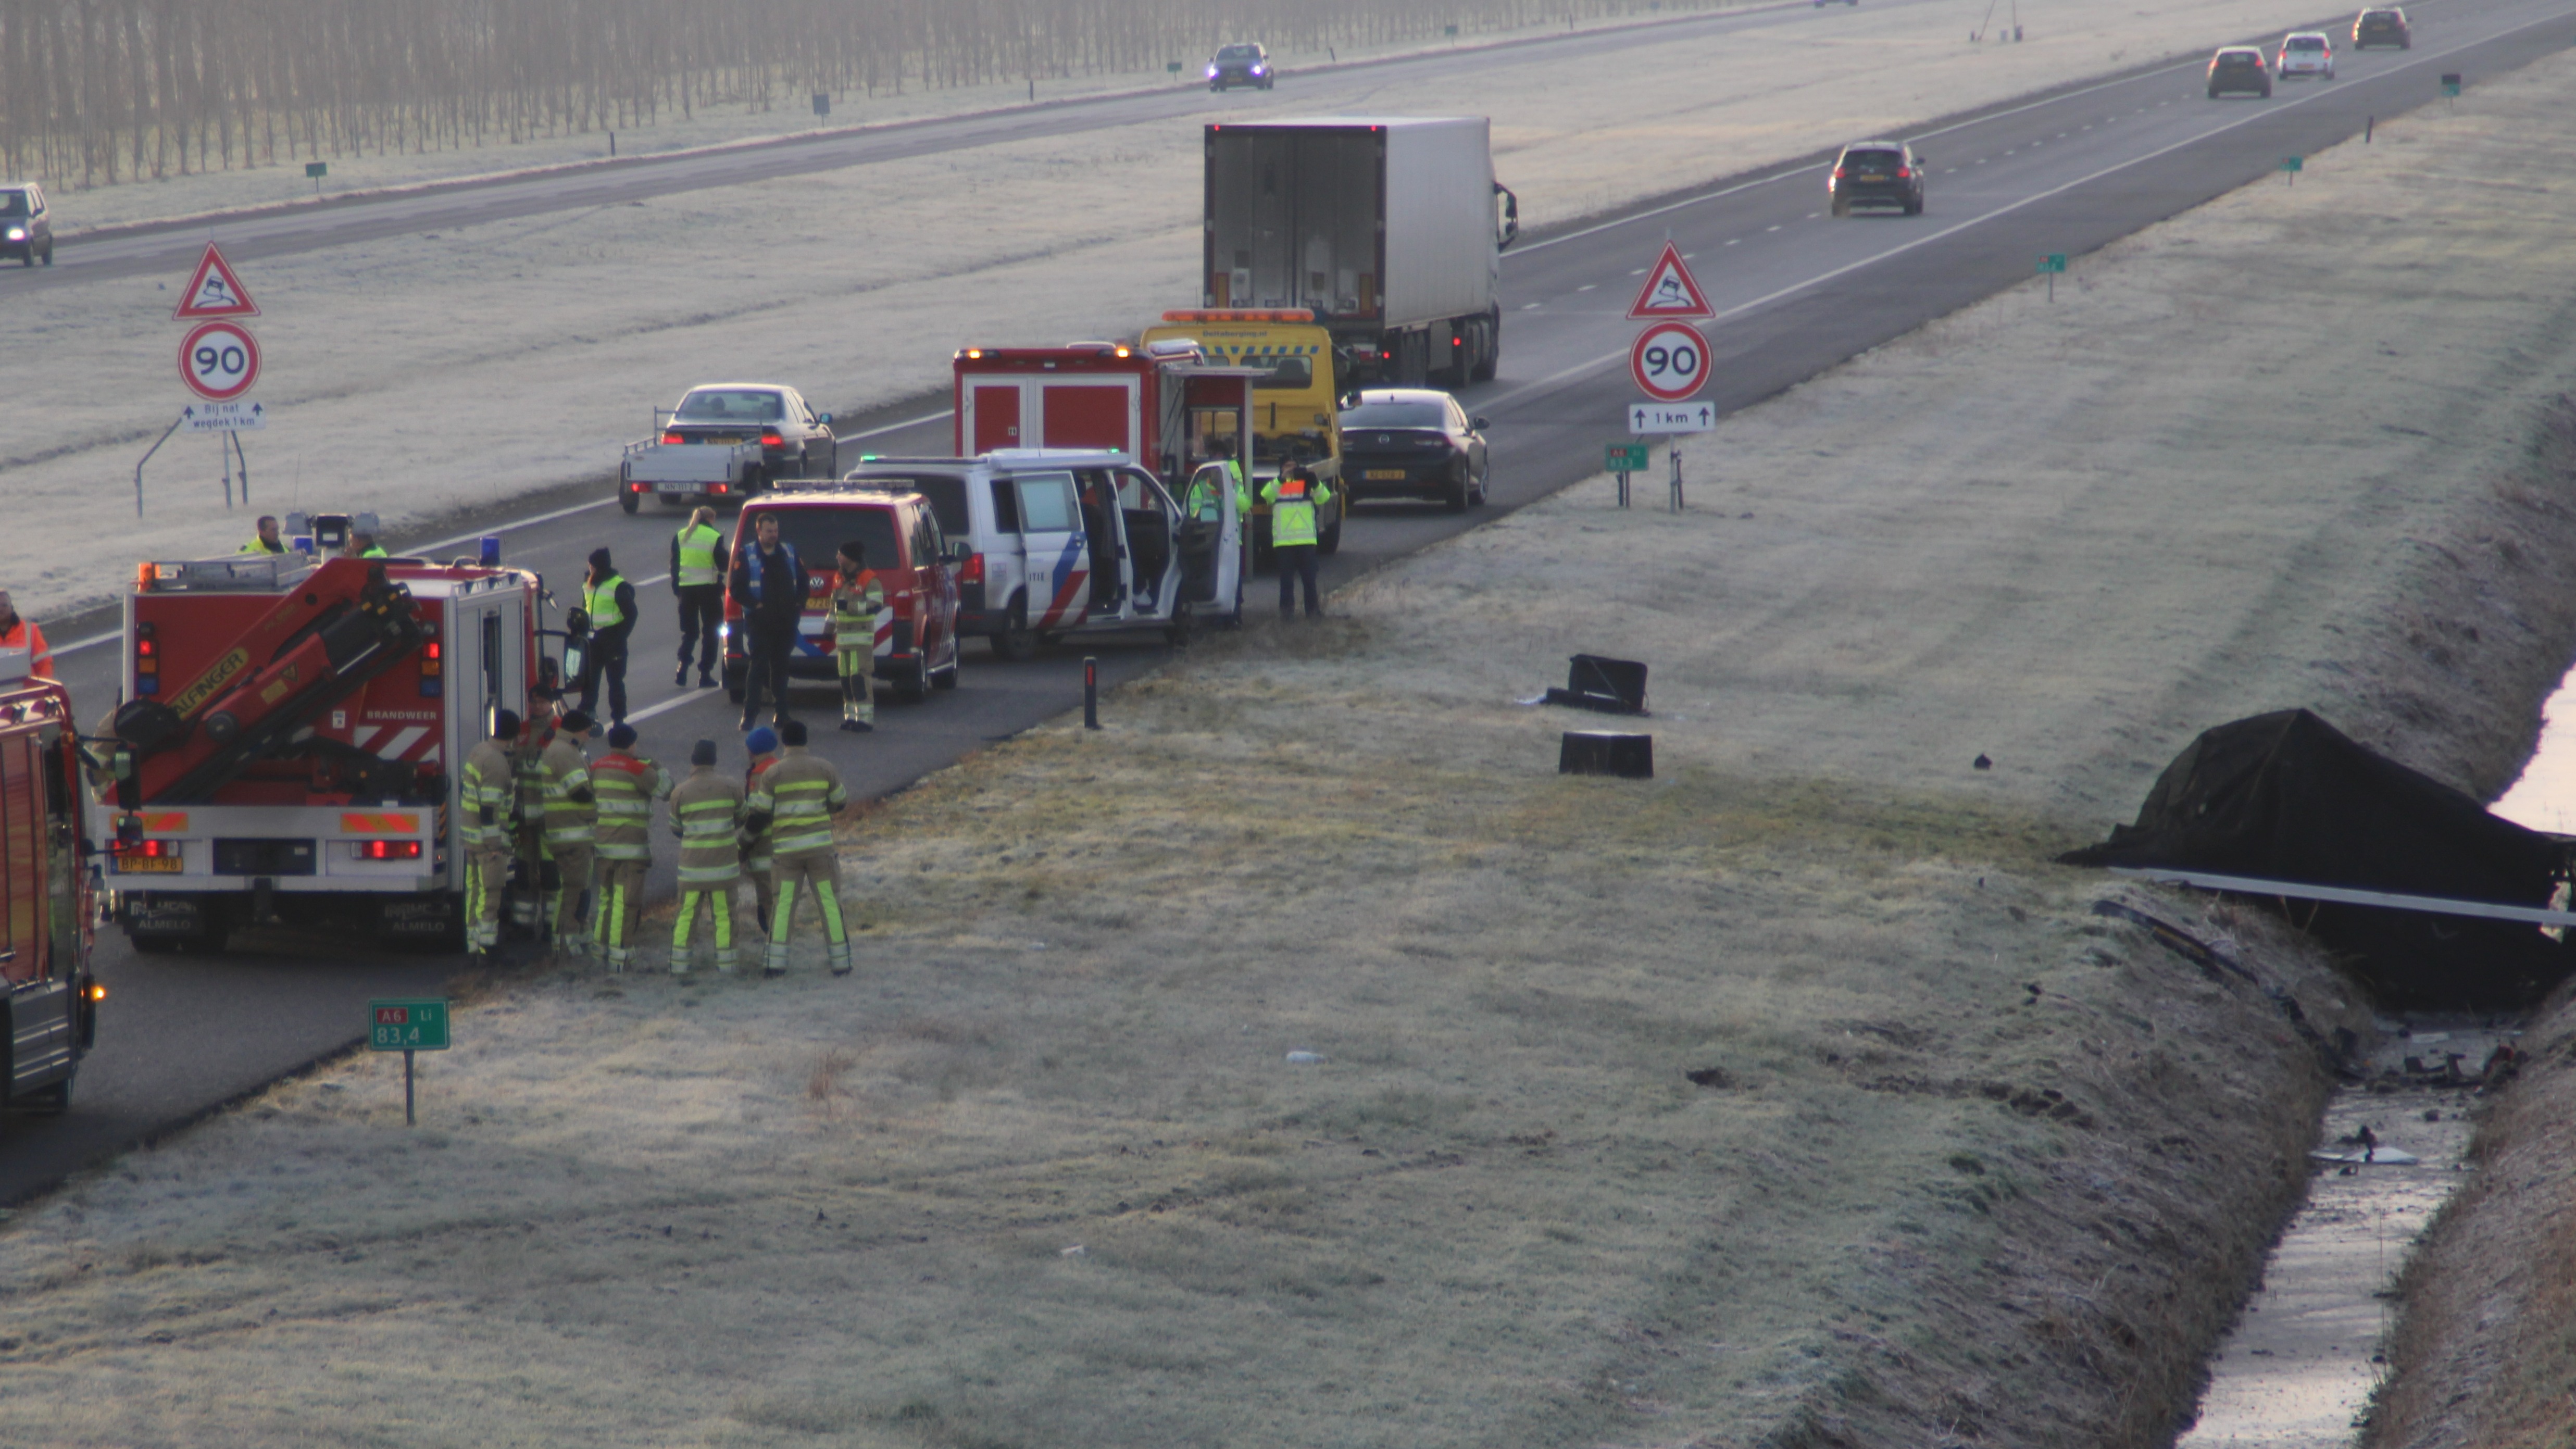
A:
[(1811, 216), (648, 583), (1588, 286), (1529, 306), (1770, 228), (1497, 403), (1730, 241)]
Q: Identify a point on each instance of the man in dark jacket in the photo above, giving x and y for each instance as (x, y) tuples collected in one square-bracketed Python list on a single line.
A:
[(768, 580), (610, 603)]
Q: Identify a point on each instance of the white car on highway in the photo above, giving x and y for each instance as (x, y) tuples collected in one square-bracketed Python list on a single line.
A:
[(2307, 53)]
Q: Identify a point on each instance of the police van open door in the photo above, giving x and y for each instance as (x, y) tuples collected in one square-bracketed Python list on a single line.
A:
[(1211, 547)]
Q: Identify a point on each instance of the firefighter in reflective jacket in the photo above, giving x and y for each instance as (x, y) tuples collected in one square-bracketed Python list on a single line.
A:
[(706, 813), (625, 785), (570, 814), (1293, 497), (487, 804), (857, 600), (763, 745), (795, 801)]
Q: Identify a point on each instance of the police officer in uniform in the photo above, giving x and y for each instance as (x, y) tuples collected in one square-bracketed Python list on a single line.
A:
[(706, 813), (763, 745), (768, 580), (610, 602), (795, 801), (857, 599), (571, 814), (697, 578), (1294, 496), (625, 786), (487, 809)]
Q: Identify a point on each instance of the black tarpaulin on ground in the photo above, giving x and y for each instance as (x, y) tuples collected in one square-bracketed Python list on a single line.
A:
[(2286, 796)]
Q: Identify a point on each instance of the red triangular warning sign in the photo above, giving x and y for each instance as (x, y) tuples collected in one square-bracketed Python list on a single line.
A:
[(1670, 291), (214, 291)]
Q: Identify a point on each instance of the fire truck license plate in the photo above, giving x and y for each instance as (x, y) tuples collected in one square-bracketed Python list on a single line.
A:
[(147, 865)]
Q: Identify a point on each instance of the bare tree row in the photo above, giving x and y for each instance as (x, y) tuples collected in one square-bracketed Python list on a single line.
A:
[(93, 92)]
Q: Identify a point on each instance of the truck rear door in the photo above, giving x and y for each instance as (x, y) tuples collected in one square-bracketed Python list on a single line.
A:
[(1054, 543)]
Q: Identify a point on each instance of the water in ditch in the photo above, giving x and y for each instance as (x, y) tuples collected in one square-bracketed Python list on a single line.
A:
[(2297, 1369)]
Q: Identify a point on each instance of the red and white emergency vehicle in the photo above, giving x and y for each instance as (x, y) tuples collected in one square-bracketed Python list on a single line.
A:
[(291, 734), (49, 1014)]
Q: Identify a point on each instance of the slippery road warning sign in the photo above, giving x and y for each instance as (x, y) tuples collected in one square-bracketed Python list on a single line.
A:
[(1669, 362), (1670, 291), (214, 291), (219, 360)]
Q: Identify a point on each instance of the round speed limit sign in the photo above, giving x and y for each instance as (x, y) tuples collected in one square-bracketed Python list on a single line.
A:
[(219, 360), (1669, 362)]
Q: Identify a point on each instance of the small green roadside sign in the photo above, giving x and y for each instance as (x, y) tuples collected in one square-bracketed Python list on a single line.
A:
[(2294, 163), (408, 1026), (1625, 458), (2052, 262), (316, 170), (417, 1024), (2451, 83)]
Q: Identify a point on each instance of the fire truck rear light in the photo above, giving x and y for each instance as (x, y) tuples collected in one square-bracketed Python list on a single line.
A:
[(149, 849), (429, 650), (147, 684), (143, 648), (388, 849)]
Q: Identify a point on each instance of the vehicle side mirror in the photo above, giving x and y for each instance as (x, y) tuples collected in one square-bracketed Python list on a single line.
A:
[(1479, 424), (825, 420)]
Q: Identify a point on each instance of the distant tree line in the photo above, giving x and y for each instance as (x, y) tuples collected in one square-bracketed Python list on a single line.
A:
[(94, 92)]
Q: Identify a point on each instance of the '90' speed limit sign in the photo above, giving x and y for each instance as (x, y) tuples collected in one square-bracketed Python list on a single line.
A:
[(219, 360), (1669, 362)]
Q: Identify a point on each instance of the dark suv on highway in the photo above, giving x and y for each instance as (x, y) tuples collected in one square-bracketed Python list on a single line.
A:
[(2239, 69), (1877, 176), (26, 224), (1240, 65), (2382, 27)]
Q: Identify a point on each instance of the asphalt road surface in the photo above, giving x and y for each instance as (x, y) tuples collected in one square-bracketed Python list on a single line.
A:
[(1796, 292)]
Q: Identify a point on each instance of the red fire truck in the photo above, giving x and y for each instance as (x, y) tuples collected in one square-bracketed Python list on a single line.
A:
[(50, 1012), (1163, 403), (289, 741)]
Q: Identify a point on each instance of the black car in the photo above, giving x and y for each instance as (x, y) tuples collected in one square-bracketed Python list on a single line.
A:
[(2239, 69), (2382, 27), (1240, 65), (1412, 442), (26, 224), (1877, 176)]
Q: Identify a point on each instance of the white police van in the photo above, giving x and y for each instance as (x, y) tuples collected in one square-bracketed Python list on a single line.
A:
[(1049, 542)]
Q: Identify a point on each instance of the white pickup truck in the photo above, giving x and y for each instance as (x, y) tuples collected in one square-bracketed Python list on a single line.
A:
[(724, 442)]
